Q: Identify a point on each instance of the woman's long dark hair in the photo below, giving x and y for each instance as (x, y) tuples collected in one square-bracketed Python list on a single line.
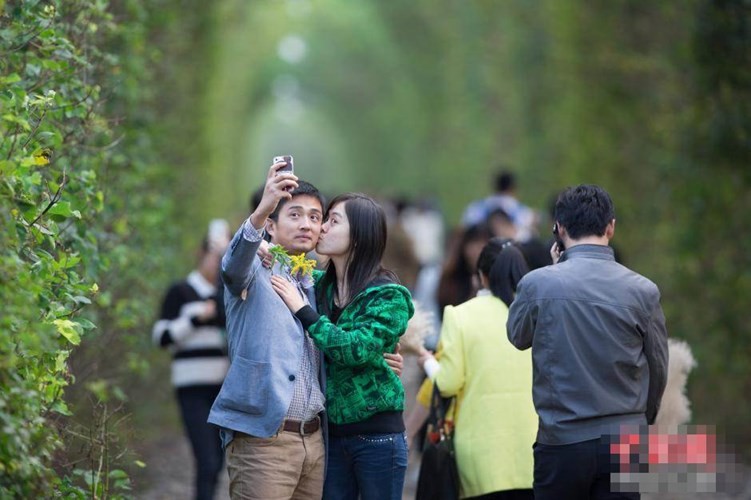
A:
[(367, 240), (455, 284), (503, 264)]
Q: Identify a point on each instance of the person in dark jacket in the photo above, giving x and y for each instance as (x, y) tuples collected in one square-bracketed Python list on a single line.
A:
[(599, 349)]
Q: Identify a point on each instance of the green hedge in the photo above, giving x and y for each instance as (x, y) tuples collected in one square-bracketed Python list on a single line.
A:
[(81, 206)]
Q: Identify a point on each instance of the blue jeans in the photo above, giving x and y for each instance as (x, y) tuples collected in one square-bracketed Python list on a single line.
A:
[(369, 465)]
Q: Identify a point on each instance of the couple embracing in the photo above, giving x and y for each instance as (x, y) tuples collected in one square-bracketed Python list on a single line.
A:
[(313, 390)]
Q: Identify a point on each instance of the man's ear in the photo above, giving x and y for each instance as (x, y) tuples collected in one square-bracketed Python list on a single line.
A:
[(610, 229), (270, 227)]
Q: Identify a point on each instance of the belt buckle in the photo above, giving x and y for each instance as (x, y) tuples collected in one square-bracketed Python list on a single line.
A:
[(302, 426)]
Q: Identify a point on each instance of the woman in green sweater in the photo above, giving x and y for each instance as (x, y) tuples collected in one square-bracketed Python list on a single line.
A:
[(362, 312)]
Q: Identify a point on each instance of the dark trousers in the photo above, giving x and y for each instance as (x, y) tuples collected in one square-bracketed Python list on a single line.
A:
[(578, 471), (195, 404)]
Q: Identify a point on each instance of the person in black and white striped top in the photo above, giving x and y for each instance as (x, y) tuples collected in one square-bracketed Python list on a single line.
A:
[(191, 326)]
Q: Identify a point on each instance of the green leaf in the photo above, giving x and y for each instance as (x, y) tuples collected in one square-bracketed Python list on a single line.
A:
[(119, 393), (117, 474), (70, 261), (63, 209), (69, 330), (61, 361), (62, 408), (86, 324), (12, 78), (17, 119)]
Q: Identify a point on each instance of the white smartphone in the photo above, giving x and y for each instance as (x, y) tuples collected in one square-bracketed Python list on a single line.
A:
[(290, 164)]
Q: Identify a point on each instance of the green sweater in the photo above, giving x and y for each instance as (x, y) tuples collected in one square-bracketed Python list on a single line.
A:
[(359, 383)]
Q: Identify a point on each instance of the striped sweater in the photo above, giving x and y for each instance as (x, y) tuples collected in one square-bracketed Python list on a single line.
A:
[(199, 349)]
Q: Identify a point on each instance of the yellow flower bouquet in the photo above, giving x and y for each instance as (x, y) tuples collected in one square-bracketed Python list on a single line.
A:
[(298, 266)]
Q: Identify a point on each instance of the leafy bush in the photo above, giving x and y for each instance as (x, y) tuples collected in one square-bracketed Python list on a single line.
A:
[(78, 177)]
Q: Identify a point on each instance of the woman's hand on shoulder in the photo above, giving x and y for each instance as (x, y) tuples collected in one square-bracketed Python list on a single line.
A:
[(288, 292)]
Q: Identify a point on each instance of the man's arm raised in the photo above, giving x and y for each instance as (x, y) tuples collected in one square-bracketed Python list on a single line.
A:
[(237, 264)]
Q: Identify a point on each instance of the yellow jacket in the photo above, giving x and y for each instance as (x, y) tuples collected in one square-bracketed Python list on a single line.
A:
[(496, 424)]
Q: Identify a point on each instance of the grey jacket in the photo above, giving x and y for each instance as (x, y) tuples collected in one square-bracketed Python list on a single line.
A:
[(265, 344), (599, 345)]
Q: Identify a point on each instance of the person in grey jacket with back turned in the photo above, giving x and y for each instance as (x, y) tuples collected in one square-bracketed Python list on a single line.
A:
[(599, 349)]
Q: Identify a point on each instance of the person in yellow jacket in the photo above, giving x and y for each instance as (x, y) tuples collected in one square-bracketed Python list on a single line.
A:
[(496, 423)]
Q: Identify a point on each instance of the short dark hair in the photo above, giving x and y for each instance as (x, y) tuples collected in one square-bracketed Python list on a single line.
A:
[(504, 265), (504, 181), (500, 214), (303, 189), (584, 210)]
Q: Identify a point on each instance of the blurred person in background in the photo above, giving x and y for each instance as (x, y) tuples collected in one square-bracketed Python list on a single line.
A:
[(399, 255), (535, 251), (406, 258), (458, 281), (423, 223), (524, 218), (457, 284), (191, 326), (501, 225), (495, 419)]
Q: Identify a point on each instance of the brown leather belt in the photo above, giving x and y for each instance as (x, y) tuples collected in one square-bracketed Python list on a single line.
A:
[(302, 428), (296, 426)]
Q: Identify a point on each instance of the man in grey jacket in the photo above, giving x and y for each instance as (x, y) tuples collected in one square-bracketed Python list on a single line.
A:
[(269, 406), (599, 349)]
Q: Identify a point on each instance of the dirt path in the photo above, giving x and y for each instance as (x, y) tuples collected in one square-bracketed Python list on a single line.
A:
[(169, 472)]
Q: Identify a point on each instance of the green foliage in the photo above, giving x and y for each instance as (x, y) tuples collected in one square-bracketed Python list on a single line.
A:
[(710, 282), (78, 178)]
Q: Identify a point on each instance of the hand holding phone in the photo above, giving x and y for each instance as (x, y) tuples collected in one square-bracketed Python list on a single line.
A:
[(558, 240), (289, 168)]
